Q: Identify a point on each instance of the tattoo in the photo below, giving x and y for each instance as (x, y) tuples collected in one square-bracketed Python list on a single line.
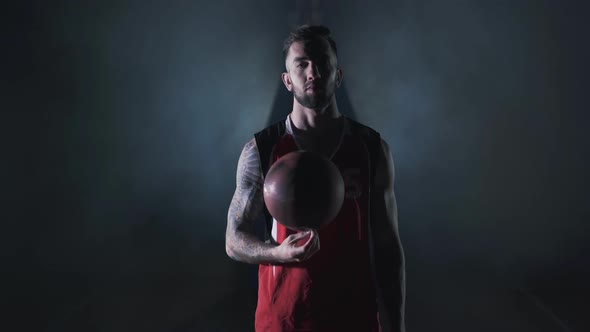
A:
[(247, 200), (245, 208)]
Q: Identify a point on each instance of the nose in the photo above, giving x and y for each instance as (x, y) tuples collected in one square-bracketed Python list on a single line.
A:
[(313, 72)]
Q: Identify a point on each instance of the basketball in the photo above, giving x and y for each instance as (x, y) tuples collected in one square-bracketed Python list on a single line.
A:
[(303, 190)]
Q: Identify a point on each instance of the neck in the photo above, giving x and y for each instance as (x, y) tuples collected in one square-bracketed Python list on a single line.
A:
[(315, 120)]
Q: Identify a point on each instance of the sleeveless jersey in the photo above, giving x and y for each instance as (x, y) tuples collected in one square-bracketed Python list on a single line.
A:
[(334, 290)]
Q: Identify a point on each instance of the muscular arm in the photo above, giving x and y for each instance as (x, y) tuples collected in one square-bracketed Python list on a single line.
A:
[(387, 248), (246, 206), (241, 243)]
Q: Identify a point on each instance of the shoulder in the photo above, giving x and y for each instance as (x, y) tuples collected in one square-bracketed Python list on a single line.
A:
[(385, 171), (380, 151), (249, 170), (250, 147), (249, 153)]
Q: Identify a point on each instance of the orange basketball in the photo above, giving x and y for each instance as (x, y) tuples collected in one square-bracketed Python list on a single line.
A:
[(303, 190)]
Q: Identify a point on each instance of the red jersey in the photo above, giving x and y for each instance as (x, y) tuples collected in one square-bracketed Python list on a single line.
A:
[(333, 291)]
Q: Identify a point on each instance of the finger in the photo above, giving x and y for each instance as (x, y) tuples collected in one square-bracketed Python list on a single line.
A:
[(310, 240), (299, 255), (296, 237), (312, 246), (314, 238), (317, 241), (311, 250), (303, 249)]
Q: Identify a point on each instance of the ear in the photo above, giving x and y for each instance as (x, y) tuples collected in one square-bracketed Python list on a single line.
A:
[(287, 81), (338, 77)]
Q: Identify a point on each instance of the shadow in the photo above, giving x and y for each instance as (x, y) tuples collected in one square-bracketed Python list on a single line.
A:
[(283, 103)]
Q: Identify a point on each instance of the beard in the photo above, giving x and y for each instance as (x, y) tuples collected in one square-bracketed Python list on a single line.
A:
[(316, 100)]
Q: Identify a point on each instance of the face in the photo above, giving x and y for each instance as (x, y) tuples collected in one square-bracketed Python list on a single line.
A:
[(312, 74)]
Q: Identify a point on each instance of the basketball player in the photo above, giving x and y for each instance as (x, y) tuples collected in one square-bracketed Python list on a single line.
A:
[(356, 281)]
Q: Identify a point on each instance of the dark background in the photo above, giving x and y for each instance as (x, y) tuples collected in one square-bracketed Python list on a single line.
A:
[(122, 122)]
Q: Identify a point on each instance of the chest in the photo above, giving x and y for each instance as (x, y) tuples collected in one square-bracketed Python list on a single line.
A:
[(350, 155)]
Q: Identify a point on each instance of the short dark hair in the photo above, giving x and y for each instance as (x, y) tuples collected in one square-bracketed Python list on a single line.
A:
[(307, 33)]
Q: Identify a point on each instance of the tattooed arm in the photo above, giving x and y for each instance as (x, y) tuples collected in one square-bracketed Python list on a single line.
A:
[(241, 243)]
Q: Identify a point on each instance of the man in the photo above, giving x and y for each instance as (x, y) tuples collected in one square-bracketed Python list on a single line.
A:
[(335, 288)]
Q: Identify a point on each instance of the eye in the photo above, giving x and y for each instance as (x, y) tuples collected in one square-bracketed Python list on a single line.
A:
[(301, 64)]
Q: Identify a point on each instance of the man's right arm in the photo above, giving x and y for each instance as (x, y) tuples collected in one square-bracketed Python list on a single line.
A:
[(246, 206), (241, 243)]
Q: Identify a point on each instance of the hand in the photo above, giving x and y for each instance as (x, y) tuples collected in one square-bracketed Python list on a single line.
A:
[(289, 252)]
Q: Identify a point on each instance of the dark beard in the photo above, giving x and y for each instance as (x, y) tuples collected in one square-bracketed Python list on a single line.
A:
[(316, 101)]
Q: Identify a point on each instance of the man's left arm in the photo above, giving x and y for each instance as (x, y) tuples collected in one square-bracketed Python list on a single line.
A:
[(388, 252)]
